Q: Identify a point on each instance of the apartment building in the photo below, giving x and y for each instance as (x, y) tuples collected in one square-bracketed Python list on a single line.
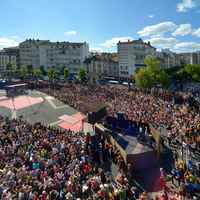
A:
[(168, 58), (53, 54), (132, 55), (190, 58), (102, 65), (9, 55)]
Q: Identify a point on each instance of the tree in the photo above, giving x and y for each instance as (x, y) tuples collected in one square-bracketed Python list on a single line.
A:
[(30, 69), (44, 73), (163, 79), (82, 75), (8, 66), (190, 72), (11, 70), (23, 72), (143, 78), (181, 75), (153, 67), (193, 71), (37, 73), (190, 69), (52, 74), (152, 63), (152, 75), (66, 73)]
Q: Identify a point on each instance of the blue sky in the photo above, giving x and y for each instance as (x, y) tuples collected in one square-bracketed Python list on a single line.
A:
[(170, 24)]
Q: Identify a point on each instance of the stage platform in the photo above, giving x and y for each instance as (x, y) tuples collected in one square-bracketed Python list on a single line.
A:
[(140, 155), (131, 145)]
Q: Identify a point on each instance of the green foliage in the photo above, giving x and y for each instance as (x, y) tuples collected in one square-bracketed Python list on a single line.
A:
[(163, 79), (190, 69), (82, 74), (66, 73), (44, 73), (30, 69), (191, 72), (196, 77), (52, 74), (143, 78), (37, 73), (152, 75), (181, 75), (23, 71), (11, 70), (172, 71), (152, 63), (9, 67)]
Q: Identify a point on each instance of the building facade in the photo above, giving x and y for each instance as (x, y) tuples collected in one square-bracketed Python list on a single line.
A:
[(168, 58), (132, 55), (102, 65), (190, 58), (53, 54), (9, 56)]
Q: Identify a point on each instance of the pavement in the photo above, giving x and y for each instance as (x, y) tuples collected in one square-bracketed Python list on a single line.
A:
[(47, 112)]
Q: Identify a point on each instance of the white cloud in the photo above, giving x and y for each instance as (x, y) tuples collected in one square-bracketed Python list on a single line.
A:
[(187, 46), (196, 32), (113, 41), (162, 42), (158, 29), (96, 49), (182, 30), (70, 33), (151, 16), (7, 42), (185, 5)]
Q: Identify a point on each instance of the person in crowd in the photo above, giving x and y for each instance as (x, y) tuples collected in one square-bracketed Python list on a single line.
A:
[(43, 163)]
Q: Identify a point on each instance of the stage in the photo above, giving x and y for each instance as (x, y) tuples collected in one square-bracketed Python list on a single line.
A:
[(140, 155)]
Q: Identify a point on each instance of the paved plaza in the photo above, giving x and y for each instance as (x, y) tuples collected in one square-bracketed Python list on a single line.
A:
[(35, 107)]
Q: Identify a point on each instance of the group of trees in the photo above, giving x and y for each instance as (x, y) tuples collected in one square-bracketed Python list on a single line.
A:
[(28, 72), (189, 73), (152, 75)]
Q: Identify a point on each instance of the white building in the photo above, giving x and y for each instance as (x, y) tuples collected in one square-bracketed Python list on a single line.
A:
[(190, 58), (168, 58), (102, 65), (132, 55), (53, 54), (5, 59)]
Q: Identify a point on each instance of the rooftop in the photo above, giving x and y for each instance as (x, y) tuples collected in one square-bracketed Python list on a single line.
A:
[(37, 41), (139, 41), (109, 57)]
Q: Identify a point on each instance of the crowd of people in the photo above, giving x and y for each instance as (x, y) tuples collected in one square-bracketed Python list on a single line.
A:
[(160, 108), (184, 178), (43, 163), (170, 112)]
